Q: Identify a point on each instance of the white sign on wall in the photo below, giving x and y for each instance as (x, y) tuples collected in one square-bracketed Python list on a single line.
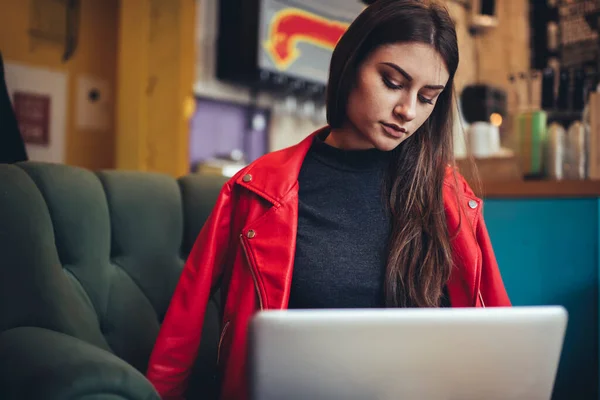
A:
[(39, 96)]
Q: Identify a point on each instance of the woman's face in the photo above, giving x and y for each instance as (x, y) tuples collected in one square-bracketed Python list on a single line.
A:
[(395, 91)]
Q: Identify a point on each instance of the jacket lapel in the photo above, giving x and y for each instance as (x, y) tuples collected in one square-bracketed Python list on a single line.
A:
[(270, 242), (270, 239)]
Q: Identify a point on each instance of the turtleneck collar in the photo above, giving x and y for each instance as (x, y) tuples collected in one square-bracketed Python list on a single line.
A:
[(352, 160)]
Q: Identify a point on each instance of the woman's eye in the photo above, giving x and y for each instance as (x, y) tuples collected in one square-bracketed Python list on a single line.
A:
[(425, 100), (395, 86), (390, 84)]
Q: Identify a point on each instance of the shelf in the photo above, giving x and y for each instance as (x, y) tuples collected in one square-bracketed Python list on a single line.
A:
[(540, 189)]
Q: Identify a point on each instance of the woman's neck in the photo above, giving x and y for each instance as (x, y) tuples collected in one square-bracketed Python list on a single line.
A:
[(347, 160), (348, 138)]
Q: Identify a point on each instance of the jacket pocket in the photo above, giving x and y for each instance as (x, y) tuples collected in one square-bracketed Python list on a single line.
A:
[(221, 340)]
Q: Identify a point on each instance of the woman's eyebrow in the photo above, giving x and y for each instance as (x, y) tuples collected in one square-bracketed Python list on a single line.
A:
[(410, 78)]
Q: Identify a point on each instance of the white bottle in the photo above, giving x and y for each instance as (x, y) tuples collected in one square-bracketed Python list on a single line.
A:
[(555, 151)]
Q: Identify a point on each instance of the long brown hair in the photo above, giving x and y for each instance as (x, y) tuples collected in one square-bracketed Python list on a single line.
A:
[(419, 257)]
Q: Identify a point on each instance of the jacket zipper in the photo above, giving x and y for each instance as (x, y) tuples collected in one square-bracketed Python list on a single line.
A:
[(223, 332), (481, 298), (251, 267)]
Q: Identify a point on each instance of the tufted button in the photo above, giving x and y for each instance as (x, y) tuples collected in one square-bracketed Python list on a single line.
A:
[(250, 234), (472, 204), (247, 178)]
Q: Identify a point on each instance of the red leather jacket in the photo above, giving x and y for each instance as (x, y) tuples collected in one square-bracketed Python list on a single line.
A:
[(249, 241)]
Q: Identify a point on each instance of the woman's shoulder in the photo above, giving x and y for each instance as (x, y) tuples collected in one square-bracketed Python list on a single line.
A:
[(458, 194), (455, 180), (272, 175), (282, 165)]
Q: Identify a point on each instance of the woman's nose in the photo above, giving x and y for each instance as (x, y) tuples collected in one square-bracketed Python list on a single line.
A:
[(406, 108)]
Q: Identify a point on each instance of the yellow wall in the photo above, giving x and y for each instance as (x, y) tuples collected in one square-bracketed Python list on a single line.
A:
[(155, 82), (96, 54)]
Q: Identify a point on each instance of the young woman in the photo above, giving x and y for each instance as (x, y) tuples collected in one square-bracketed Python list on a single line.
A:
[(366, 212)]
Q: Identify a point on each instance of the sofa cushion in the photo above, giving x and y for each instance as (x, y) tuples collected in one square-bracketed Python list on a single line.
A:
[(199, 194), (97, 255), (34, 288), (37, 363), (119, 236)]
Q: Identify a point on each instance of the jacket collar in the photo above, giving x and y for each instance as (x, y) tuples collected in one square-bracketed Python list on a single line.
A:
[(273, 175)]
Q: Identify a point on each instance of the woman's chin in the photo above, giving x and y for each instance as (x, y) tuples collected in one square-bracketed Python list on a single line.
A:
[(387, 143)]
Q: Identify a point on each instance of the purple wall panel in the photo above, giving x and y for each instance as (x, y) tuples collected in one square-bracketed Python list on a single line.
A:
[(218, 127)]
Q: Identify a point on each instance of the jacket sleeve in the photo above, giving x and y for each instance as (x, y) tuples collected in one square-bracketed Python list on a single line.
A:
[(492, 291), (178, 340)]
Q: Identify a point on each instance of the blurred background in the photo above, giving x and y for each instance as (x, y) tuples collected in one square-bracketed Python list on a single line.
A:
[(168, 85), (206, 86)]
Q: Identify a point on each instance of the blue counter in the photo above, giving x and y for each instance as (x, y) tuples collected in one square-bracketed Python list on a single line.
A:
[(547, 249)]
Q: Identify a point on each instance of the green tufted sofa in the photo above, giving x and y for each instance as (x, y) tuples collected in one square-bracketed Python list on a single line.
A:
[(88, 263)]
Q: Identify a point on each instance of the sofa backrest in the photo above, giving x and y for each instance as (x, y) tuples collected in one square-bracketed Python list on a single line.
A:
[(97, 255)]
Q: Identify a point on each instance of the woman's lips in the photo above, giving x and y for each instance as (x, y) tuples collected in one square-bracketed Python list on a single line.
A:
[(393, 130)]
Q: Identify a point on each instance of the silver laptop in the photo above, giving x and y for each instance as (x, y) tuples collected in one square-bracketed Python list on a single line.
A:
[(410, 354)]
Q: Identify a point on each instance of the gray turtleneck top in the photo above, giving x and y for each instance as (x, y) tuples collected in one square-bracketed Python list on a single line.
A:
[(343, 229)]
